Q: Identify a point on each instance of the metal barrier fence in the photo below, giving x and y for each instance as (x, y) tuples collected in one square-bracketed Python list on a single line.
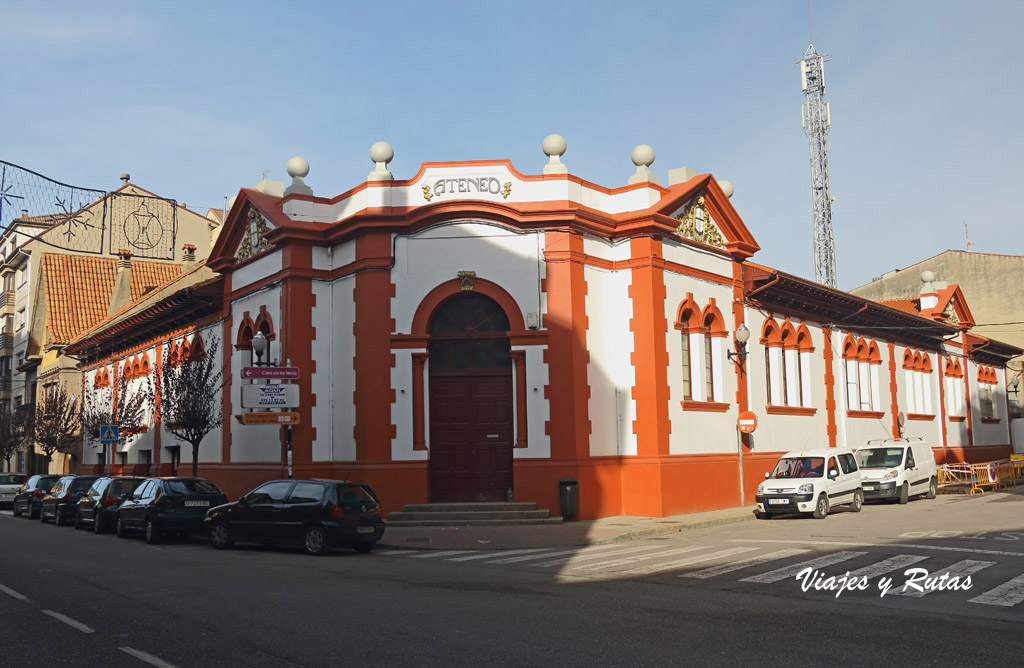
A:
[(977, 477)]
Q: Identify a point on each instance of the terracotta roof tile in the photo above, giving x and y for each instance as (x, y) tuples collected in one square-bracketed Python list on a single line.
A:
[(78, 290), (905, 305)]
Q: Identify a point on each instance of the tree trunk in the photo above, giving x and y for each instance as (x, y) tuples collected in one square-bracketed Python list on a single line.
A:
[(195, 460)]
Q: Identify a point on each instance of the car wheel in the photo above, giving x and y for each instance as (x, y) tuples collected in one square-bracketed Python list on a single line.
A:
[(363, 548), (933, 488), (764, 516), (220, 536), (79, 524), (122, 531), (821, 507), (14, 509), (97, 523), (315, 541), (858, 502), (58, 519), (152, 535), (33, 513), (42, 516), (904, 493)]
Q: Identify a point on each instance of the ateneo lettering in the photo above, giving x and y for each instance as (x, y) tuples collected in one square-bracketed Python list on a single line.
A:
[(481, 184)]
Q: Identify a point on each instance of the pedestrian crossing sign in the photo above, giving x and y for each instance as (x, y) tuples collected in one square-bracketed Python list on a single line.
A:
[(109, 433)]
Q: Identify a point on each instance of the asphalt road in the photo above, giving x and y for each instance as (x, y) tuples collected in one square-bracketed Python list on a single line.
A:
[(75, 598)]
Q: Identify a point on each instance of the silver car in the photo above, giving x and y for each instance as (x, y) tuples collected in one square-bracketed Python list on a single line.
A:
[(10, 483)]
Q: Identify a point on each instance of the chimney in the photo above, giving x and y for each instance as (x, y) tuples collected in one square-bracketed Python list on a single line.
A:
[(188, 259), (929, 295), (122, 294), (125, 178)]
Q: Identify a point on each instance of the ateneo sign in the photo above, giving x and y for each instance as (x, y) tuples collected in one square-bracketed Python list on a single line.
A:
[(270, 396), (482, 184)]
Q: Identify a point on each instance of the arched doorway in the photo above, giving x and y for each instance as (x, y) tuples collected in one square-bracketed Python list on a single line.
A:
[(471, 418)]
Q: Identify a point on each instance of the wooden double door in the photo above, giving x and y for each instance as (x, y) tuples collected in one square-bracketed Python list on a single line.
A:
[(471, 416)]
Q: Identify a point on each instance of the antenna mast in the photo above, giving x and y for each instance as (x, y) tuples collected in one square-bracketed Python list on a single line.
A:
[(817, 119)]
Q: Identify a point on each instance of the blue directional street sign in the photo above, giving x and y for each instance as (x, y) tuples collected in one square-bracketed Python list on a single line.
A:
[(109, 433)]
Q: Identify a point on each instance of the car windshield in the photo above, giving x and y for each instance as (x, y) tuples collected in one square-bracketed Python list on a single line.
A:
[(880, 458), (11, 479), (81, 484), (800, 467), (192, 487)]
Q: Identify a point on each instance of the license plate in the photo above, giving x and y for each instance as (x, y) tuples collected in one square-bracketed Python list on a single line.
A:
[(364, 529), (870, 487), (196, 503), (778, 502)]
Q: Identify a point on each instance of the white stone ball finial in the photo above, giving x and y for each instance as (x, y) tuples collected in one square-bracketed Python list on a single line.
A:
[(298, 168), (727, 188), (554, 147), (643, 158), (381, 153), (927, 276)]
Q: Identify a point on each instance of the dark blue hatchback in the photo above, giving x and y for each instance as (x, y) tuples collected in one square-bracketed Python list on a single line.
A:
[(162, 506)]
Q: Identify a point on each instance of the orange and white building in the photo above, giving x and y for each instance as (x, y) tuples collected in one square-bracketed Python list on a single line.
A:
[(473, 333)]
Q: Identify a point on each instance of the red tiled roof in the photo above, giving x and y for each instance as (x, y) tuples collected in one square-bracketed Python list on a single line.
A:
[(78, 290), (905, 305)]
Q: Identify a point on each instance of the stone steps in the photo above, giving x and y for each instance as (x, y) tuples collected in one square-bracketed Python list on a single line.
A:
[(469, 514)]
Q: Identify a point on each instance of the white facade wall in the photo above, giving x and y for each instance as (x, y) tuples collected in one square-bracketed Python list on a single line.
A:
[(695, 431), (322, 349), (342, 369), (252, 443), (610, 372), (257, 270)]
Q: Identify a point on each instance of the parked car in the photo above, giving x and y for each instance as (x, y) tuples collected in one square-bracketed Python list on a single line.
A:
[(898, 469), (30, 496), (811, 481), (314, 514), (61, 502), (98, 506), (160, 506), (9, 485)]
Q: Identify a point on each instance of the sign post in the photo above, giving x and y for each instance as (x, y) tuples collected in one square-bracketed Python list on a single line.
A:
[(746, 423), (109, 433)]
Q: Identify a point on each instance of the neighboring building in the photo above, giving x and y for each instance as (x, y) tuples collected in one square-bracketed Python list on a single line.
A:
[(991, 284), (66, 272), (474, 333)]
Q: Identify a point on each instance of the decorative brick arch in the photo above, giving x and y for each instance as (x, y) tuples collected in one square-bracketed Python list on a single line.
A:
[(771, 335), (712, 320), (688, 315), (803, 339), (453, 287)]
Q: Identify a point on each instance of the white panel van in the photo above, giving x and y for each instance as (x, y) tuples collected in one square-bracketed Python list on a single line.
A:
[(898, 469)]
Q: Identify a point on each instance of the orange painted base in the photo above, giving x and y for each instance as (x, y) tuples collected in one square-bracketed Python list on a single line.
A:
[(972, 455)]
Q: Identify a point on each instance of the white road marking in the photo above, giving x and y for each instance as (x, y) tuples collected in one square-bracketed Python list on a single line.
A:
[(578, 556), (147, 657), (1007, 594), (679, 563), (12, 593), (385, 553), (941, 548), (887, 565), (493, 553), (636, 557), (70, 622), (743, 563), (578, 550), (443, 553), (791, 571), (959, 569)]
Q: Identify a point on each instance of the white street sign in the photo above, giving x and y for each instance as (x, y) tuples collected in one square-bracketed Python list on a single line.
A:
[(270, 396)]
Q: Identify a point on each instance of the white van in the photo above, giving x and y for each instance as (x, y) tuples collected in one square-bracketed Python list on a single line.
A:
[(898, 468), (811, 481)]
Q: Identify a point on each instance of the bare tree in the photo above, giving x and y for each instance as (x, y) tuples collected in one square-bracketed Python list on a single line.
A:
[(11, 436), (188, 393), (57, 423), (114, 404)]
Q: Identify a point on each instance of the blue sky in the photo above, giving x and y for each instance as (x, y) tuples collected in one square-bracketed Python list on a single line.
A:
[(197, 99)]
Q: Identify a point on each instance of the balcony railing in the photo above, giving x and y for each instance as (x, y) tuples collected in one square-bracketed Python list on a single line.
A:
[(6, 302), (6, 344)]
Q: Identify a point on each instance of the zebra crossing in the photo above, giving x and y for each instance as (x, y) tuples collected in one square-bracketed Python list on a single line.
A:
[(762, 564)]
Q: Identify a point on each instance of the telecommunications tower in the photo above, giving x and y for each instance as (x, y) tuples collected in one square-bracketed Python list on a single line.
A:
[(816, 121)]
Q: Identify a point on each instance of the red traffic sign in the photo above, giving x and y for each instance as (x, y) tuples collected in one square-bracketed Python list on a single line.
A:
[(270, 418), (747, 422), (287, 372)]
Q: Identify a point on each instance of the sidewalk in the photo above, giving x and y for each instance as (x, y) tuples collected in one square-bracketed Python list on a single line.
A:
[(572, 533)]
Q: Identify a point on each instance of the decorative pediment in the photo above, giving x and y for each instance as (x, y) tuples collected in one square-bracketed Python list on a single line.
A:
[(254, 241), (695, 223), (950, 315)]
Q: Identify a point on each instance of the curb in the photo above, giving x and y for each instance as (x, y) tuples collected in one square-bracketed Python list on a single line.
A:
[(642, 534)]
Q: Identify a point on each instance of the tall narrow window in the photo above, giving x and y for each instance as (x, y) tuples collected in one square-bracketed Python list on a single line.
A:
[(687, 392), (768, 374), (709, 383)]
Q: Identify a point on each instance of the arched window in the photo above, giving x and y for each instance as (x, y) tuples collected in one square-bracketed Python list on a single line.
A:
[(688, 324), (469, 331)]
